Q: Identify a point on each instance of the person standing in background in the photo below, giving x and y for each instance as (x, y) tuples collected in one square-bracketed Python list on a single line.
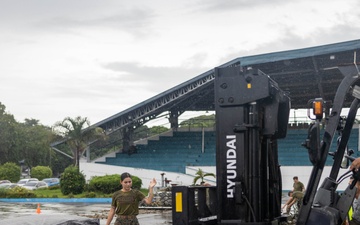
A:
[(298, 185)]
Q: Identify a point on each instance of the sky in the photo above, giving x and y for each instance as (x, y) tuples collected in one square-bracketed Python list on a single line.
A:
[(94, 59)]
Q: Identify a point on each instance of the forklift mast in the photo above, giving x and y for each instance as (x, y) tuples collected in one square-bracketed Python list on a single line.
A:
[(251, 114)]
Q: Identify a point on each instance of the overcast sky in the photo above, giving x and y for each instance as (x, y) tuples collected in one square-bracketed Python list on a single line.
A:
[(95, 58)]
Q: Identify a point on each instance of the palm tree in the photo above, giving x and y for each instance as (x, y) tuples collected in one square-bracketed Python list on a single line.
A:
[(200, 174), (78, 138)]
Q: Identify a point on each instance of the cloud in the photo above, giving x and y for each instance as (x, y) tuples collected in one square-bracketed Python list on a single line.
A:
[(156, 79), (66, 57), (134, 21), (290, 39), (58, 16), (230, 5)]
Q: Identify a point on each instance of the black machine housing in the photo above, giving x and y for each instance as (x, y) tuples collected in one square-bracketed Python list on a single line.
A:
[(251, 114)]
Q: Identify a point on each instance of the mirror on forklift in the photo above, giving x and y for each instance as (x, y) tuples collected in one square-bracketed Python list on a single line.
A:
[(312, 142)]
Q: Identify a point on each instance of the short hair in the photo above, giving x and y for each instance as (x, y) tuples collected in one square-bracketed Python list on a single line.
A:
[(124, 175), (290, 192), (295, 178)]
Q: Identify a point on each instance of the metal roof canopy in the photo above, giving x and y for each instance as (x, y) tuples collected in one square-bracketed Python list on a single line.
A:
[(305, 73)]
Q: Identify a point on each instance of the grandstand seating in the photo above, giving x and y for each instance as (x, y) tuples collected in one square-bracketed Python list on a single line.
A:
[(292, 153), (171, 153), (174, 153)]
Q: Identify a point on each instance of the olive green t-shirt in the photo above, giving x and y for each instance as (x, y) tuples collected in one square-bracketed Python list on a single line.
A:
[(298, 186), (298, 195), (127, 203)]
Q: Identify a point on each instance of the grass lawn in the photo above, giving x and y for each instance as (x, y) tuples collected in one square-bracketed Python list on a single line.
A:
[(56, 193)]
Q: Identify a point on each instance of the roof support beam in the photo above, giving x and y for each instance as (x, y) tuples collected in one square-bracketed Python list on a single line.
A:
[(318, 78)]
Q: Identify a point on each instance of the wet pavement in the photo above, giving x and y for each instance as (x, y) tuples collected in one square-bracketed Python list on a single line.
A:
[(27, 213), (54, 213)]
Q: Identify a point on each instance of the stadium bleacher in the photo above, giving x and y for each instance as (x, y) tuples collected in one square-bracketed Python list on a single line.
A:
[(174, 153), (292, 153), (171, 153)]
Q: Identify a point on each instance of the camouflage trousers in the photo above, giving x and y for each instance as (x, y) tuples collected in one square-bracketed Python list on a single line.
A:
[(122, 221)]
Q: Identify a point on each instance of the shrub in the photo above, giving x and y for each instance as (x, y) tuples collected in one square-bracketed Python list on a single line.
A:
[(71, 195), (41, 172), (10, 171), (136, 182), (3, 192), (108, 184), (18, 192), (72, 181), (54, 187), (90, 195)]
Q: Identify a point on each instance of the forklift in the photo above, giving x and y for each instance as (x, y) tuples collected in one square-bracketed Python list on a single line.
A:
[(252, 113)]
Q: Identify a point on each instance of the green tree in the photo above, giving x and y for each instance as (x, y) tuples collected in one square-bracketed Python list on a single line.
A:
[(157, 130), (79, 135), (8, 135), (27, 141), (144, 131), (32, 142), (31, 122), (200, 174), (59, 163), (199, 121), (141, 132)]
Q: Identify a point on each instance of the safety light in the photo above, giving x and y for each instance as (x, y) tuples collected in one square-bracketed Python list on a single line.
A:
[(318, 108)]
